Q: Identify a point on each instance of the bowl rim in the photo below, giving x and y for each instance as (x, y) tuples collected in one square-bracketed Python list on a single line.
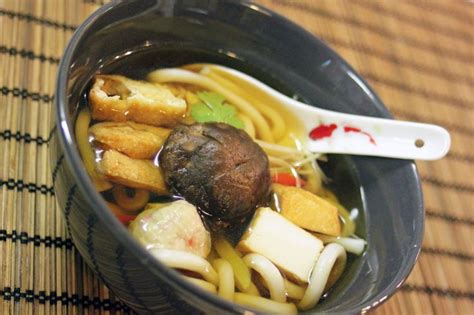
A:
[(66, 137)]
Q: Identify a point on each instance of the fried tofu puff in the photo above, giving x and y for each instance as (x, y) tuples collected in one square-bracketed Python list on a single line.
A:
[(135, 173), (137, 141), (119, 99)]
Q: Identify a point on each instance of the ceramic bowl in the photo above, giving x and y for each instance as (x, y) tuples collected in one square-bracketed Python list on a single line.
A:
[(253, 39)]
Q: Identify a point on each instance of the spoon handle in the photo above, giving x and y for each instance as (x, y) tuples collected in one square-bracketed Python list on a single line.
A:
[(334, 132)]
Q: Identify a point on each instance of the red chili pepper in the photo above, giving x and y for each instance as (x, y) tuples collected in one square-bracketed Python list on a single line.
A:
[(125, 219), (286, 179), (122, 217)]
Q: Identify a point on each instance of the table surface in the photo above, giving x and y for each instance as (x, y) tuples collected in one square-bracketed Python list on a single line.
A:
[(418, 56)]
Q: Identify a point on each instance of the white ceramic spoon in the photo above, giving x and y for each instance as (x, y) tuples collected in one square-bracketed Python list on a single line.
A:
[(333, 132)]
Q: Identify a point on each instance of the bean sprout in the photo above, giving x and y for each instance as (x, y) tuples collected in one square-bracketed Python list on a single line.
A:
[(226, 278), (293, 171), (279, 150)]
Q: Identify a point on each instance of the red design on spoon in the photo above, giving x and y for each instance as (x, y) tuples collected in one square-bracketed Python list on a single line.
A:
[(322, 131), (354, 129), (325, 131)]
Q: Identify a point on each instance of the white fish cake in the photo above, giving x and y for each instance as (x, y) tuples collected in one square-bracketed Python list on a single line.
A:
[(288, 246), (176, 225), (117, 98)]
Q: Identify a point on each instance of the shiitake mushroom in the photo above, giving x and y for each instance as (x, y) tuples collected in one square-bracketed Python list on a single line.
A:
[(219, 169)]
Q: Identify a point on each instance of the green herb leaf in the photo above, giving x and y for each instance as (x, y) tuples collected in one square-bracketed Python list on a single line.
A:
[(212, 108)]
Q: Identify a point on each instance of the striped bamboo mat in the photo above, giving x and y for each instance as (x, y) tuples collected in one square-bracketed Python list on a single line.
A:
[(418, 56)]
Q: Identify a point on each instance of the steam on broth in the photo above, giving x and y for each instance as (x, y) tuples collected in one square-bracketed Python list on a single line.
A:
[(210, 174)]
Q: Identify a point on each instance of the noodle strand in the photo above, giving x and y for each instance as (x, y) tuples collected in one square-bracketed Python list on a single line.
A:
[(351, 245), (202, 284), (270, 274), (275, 120), (320, 274), (265, 305), (85, 149), (248, 125), (252, 290), (294, 291), (184, 260)]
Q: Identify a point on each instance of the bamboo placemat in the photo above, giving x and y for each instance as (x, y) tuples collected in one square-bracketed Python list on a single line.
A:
[(418, 56)]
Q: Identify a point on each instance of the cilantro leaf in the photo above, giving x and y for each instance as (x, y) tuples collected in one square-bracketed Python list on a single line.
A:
[(212, 108)]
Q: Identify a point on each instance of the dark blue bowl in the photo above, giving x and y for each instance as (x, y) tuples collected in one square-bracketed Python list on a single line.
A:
[(262, 43)]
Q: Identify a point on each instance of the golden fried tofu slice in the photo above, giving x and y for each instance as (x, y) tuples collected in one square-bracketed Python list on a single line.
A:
[(117, 98), (141, 174), (307, 210), (138, 141)]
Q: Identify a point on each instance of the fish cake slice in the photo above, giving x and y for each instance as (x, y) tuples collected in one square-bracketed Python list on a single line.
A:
[(141, 174), (137, 141), (307, 210), (117, 98)]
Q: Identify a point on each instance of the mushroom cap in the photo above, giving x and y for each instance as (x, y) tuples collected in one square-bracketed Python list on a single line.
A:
[(217, 168)]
